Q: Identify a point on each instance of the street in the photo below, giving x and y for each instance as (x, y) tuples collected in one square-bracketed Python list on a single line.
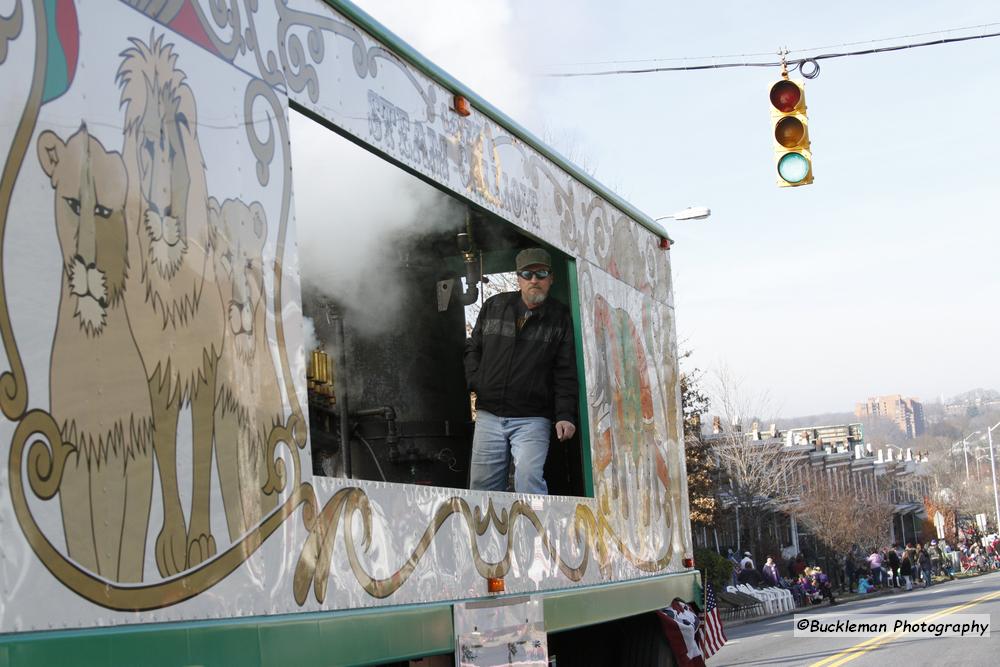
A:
[(772, 642)]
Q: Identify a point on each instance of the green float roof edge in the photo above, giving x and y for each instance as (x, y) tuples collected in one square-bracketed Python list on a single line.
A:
[(415, 58)]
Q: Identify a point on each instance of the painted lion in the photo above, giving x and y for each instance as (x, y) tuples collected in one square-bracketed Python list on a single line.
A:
[(171, 297), (96, 376), (248, 403)]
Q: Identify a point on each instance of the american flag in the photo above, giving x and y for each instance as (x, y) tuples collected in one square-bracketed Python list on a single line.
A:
[(712, 637)]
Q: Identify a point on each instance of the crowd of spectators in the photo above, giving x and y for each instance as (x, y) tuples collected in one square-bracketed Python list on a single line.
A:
[(896, 567)]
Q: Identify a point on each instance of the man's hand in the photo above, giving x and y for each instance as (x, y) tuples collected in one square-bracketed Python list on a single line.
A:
[(564, 430)]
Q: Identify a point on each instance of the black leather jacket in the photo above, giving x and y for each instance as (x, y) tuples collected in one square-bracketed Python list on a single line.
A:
[(526, 373)]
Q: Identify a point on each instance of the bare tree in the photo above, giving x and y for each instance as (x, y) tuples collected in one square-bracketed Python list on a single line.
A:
[(876, 511), (570, 145), (754, 465), (955, 491), (701, 468), (833, 516)]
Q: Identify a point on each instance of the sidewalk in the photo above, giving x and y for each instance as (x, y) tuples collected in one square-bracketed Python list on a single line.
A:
[(847, 598)]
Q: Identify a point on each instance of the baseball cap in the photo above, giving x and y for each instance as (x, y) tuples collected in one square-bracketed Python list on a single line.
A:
[(532, 256)]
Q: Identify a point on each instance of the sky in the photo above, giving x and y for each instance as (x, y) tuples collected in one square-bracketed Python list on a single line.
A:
[(880, 277)]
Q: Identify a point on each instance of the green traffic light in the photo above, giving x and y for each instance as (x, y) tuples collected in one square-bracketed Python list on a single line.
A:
[(793, 168)]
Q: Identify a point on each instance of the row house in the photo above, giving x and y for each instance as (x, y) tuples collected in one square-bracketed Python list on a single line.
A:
[(838, 457)]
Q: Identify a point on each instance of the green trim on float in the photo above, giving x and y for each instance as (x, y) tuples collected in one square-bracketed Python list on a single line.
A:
[(576, 308), (365, 637), (414, 57)]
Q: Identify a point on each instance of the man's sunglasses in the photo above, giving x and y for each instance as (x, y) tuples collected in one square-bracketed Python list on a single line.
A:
[(541, 275)]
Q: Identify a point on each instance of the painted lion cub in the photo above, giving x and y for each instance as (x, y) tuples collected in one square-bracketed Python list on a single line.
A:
[(96, 378), (248, 400)]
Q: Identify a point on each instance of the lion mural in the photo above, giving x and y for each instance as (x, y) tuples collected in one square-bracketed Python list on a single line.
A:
[(248, 403), (171, 298), (96, 376)]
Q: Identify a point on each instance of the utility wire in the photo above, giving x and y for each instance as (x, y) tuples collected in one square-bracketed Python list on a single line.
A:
[(889, 39), (771, 53), (792, 63)]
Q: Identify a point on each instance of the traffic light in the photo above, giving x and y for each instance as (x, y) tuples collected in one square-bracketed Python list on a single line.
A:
[(792, 157)]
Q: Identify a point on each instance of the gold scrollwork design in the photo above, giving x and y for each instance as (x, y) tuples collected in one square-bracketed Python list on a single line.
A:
[(10, 28), (223, 17), (13, 383), (47, 454), (597, 212), (562, 201), (293, 63), (263, 150), (591, 532), (267, 65), (300, 74)]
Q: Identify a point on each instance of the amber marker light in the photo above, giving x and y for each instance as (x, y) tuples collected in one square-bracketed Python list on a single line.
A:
[(494, 584), (461, 105)]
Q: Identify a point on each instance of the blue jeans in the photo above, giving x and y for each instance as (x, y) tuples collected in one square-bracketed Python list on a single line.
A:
[(497, 439)]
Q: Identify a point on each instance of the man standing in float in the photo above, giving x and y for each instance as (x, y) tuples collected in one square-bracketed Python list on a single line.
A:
[(521, 362)]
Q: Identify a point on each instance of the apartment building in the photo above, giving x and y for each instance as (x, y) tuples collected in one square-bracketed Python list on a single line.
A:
[(906, 413)]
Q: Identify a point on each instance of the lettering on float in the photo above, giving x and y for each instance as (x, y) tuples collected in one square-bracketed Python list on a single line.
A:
[(466, 143)]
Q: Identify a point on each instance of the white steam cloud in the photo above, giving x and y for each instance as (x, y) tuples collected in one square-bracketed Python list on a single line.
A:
[(356, 215)]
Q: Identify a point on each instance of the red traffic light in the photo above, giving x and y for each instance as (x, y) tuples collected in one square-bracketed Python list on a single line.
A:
[(785, 96)]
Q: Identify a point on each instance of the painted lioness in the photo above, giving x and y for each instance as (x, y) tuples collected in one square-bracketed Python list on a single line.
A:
[(171, 298), (96, 377), (248, 403)]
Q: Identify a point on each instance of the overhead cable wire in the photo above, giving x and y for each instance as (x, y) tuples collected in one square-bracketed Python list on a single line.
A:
[(889, 39), (792, 62), (770, 53), (664, 60)]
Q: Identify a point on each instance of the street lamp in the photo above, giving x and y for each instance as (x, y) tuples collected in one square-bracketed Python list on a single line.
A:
[(689, 213), (993, 472), (965, 450)]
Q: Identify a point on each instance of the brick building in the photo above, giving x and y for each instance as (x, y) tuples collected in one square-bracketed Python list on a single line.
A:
[(906, 413), (835, 455)]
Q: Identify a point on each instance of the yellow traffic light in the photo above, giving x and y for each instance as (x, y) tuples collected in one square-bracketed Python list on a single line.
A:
[(792, 156)]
